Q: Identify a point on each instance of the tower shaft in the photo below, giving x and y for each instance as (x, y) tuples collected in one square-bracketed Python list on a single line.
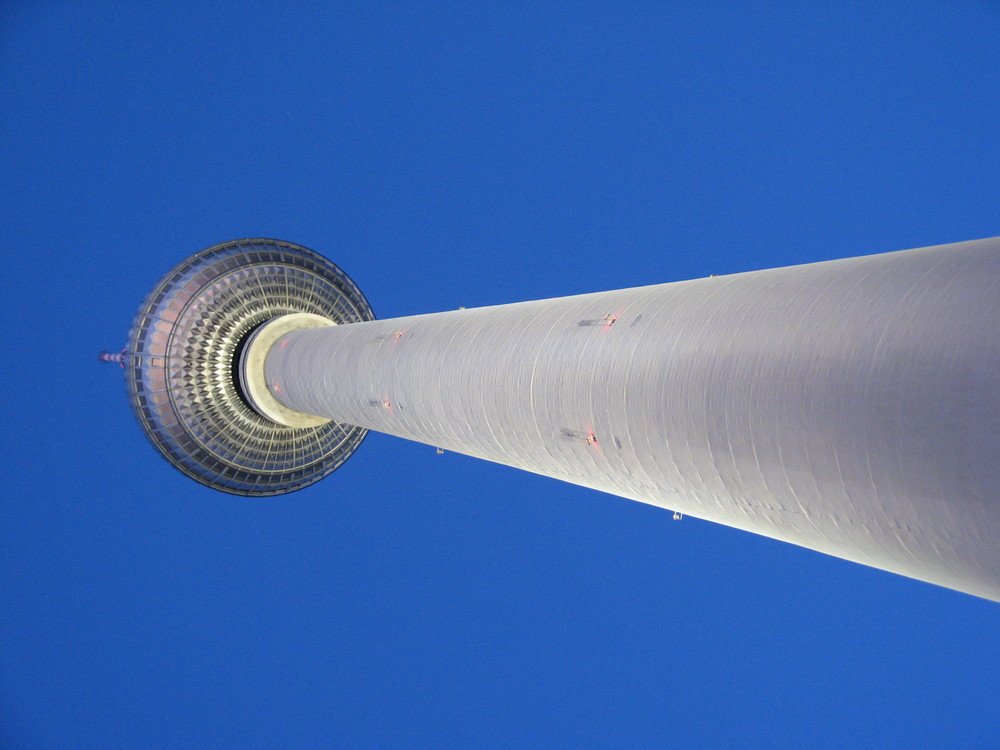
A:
[(849, 406)]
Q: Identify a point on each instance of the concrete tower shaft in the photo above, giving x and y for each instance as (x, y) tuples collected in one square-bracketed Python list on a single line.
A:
[(849, 406)]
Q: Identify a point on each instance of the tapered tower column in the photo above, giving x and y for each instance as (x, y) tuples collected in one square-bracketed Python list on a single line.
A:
[(851, 406)]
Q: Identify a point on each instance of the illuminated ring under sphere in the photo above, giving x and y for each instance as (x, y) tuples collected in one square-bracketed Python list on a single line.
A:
[(183, 356)]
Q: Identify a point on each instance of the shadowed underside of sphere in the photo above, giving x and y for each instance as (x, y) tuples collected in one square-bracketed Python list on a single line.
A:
[(183, 356)]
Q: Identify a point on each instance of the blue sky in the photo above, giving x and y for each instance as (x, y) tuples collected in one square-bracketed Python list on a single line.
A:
[(448, 155)]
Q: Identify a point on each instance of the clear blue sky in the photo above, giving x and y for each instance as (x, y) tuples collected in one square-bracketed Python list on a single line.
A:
[(447, 155)]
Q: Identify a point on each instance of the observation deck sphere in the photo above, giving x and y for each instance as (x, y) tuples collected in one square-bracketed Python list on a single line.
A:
[(182, 365)]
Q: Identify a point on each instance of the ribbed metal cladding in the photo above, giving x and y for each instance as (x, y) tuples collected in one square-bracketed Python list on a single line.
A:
[(850, 406), (185, 343)]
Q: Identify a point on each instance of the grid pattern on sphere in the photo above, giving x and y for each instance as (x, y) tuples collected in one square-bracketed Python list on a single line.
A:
[(183, 351)]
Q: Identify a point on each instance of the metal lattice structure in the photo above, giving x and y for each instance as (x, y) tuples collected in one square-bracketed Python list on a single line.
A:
[(182, 365)]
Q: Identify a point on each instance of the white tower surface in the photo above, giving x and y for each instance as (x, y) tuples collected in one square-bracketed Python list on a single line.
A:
[(851, 406)]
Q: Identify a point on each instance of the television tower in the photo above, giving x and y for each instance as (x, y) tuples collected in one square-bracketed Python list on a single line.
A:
[(850, 406)]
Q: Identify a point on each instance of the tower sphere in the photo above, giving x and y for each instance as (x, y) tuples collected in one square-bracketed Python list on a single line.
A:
[(182, 365)]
